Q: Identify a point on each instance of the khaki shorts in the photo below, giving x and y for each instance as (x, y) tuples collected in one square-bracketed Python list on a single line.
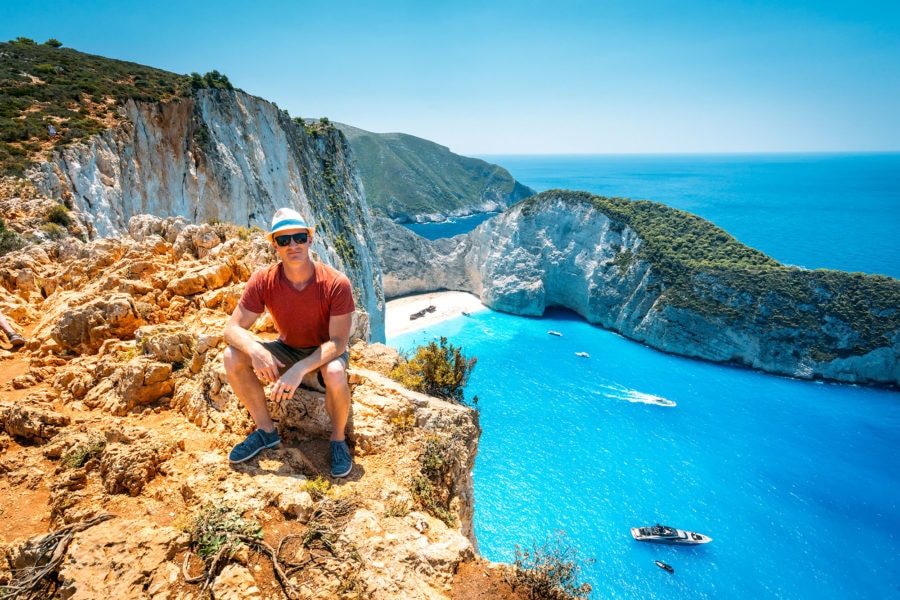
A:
[(290, 356)]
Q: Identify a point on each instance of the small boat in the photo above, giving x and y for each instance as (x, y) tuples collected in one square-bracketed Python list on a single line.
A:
[(583, 354), (664, 566), (662, 401), (551, 332), (466, 314), (662, 534)]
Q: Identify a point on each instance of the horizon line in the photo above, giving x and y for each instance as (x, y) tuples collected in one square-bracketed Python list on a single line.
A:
[(693, 153)]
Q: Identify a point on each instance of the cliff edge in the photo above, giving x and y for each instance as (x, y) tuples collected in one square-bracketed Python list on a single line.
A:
[(115, 424)]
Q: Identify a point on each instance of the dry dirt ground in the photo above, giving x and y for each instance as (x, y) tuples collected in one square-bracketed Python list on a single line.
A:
[(25, 510)]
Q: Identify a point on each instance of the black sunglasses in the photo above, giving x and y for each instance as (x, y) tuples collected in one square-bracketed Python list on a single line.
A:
[(285, 240)]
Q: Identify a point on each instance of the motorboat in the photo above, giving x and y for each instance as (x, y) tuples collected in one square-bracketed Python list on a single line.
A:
[(664, 566), (662, 534), (662, 401), (583, 354), (551, 332)]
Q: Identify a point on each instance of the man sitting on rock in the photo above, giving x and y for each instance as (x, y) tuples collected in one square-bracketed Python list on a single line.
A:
[(311, 305)]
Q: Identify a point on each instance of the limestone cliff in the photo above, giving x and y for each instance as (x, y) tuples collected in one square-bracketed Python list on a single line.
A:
[(115, 424), (221, 155), (572, 250)]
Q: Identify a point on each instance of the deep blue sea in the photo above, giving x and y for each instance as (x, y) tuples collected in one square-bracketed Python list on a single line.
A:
[(798, 483)]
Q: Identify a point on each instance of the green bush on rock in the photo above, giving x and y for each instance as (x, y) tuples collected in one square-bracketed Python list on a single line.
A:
[(440, 370)]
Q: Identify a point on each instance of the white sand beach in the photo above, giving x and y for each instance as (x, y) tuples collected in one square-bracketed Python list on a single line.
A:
[(447, 305)]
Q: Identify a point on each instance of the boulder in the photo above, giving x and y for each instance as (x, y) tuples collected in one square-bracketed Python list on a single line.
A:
[(119, 558), (131, 460), (32, 423), (83, 329), (137, 383)]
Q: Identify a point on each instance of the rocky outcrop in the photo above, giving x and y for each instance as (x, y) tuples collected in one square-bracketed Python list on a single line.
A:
[(221, 156), (560, 249), (113, 451), (32, 423)]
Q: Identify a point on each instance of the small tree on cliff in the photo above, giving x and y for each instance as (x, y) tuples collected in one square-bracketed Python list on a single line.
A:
[(440, 370)]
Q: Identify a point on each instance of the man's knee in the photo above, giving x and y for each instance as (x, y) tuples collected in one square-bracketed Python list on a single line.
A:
[(232, 358), (334, 374)]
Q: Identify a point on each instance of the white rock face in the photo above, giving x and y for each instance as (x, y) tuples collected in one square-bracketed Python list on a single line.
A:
[(222, 155), (566, 253)]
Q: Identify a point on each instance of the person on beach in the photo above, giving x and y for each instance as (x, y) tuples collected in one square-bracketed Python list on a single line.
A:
[(16, 340), (312, 306)]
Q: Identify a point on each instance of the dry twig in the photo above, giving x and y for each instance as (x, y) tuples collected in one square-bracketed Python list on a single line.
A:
[(28, 585), (209, 574)]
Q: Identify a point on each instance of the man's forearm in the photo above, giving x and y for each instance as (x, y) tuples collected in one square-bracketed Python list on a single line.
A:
[(239, 338), (322, 355)]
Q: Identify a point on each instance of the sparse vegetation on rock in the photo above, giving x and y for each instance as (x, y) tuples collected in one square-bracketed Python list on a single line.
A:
[(551, 570), (52, 96)]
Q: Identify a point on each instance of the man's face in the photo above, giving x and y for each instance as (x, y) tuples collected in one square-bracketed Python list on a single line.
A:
[(290, 246)]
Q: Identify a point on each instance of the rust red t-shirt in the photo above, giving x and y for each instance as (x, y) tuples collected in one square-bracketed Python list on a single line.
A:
[(300, 317)]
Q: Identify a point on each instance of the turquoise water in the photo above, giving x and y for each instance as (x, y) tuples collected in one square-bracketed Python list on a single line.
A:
[(446, 229), (797, 482)]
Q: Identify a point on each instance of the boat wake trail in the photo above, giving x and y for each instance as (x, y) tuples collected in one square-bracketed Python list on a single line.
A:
[(623, 393)]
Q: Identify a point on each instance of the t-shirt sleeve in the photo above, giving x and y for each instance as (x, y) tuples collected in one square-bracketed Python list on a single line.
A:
[(342, 298), (252, 297)]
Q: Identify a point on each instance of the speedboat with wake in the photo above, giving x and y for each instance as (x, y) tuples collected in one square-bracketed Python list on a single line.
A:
[(662, 534)]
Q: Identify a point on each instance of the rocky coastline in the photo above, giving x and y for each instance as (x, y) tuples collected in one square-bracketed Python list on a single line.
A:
[(560, 248)]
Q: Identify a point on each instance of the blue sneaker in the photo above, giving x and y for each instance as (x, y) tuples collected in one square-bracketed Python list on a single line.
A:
[(256, 441), (341, 463)]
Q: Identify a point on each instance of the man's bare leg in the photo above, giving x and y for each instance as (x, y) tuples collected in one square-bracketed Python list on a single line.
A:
[(337, 398), (248, 389)]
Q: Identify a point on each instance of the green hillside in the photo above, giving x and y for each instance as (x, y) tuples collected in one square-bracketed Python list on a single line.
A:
[(79, 95), (405, 175)]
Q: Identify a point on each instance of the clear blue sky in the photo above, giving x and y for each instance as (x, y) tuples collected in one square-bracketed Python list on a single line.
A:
[(529, 77)]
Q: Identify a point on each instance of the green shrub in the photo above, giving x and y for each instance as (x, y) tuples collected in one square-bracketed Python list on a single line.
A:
[(318, 488), (59, 214), (202, 137), (78, 456), (227, 231), (403, 423), (551, 571), (396, 508), (212, 79), (9, 240), (54, 231), (434, 463), (45, 69), (219, 528), (431, 486), (440, 370)]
